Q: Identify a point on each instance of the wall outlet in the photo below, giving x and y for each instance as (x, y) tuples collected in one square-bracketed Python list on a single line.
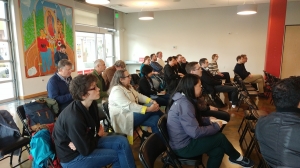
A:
[(174, 47)]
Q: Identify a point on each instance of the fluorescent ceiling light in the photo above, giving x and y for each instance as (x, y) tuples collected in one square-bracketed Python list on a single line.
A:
[(146, 15), (247, 9), (98, 2)]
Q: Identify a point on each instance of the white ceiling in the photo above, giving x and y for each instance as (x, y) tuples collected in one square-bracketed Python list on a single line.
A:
[(131, 6)]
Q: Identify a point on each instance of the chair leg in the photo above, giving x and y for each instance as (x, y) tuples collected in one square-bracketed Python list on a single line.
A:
[(241, 124), (11, 157)]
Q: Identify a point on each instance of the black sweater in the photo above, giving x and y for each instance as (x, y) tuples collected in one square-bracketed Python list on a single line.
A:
[(241, 70), (78, 125), (145, 87), (171, 78)]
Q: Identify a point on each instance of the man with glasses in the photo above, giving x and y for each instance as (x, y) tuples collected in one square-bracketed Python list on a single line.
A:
[(206, 109), (213, 85), (109, 72), (58, 84), (99, 67)]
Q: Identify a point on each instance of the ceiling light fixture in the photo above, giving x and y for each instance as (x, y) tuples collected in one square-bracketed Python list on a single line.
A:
[(247, 9), (98, 2), (146, 15)]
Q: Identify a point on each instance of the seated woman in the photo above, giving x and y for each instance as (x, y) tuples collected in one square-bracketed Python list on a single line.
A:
[(191, 134), (214, 70), (125, 111), (146, 87), (171, 75), (78, 135)]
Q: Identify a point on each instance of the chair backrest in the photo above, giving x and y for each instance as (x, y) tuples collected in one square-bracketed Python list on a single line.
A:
[(152, 147), (21, 113), (162, 126)]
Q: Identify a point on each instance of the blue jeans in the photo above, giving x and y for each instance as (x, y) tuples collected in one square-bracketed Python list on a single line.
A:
[(113, 149), (149, 119)]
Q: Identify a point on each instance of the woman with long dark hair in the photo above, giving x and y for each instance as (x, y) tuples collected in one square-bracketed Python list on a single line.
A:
[(191, 134)]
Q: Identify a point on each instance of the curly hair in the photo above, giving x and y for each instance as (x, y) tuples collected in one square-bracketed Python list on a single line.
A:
[(80, 85), (286, 93)]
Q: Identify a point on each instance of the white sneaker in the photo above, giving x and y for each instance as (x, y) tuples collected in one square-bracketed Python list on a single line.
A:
[(233, 106)]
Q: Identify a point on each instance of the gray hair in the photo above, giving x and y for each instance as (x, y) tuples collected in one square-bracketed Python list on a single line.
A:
[(62, 63), (97, 62), (116, 79), (120, 63)]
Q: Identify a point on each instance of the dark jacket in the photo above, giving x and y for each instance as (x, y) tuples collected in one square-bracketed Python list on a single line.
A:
[(59, 90), (241, 71), (209, 81), (145, 87), (278, 136), (181, 68), (59, 56), (171, 78), (78, 125), (182, 123)]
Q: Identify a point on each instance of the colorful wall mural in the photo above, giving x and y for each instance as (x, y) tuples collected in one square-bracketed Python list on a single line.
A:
[(45, 27)]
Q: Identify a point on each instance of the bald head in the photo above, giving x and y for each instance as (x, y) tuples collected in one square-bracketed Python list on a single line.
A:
[(99, 66)]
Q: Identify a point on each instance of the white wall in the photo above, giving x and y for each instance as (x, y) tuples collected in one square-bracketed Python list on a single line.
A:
[(199, 33)]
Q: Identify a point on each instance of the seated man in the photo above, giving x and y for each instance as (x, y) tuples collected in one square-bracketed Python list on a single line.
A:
[(212, 84), (99, 67), (214, 70), (278, 133), (58, 84), (155, 65), (247, 76), (108, 74), (206, 109), (181, 64)]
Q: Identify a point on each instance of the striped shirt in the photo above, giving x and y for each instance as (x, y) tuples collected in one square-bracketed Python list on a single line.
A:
[(213, 68)]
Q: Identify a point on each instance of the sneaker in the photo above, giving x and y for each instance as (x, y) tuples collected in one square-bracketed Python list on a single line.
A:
[(233, 106), (244, 163)]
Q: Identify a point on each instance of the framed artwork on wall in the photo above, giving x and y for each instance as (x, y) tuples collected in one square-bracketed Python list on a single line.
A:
[(46, 26)]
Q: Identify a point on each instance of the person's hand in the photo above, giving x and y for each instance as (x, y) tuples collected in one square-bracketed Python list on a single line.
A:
[(101, 131), (155, 73), (212, 118), (153, 108), (220, 74), (220, 123), (181, 75), (72, 146), (250, 76), (213, 108)]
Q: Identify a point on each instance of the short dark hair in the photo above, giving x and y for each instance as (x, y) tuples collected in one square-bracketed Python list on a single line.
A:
[(286, 93), (238, 58), (80, 85), (202, 61), (190, 66), (170, 59), (63, 46), (63, 62), (151, 55), (146, 70)]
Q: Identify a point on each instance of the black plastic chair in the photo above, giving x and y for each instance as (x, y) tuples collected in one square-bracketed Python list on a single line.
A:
[(173, 159), (152, 147), (10, 144), (21, 113)]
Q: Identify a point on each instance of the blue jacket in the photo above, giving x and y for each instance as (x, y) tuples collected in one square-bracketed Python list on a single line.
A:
[(183, 126), (59, 90), (41, 148)]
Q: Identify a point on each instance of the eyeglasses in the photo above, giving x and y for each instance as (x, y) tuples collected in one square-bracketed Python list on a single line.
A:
[(128, 76)]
